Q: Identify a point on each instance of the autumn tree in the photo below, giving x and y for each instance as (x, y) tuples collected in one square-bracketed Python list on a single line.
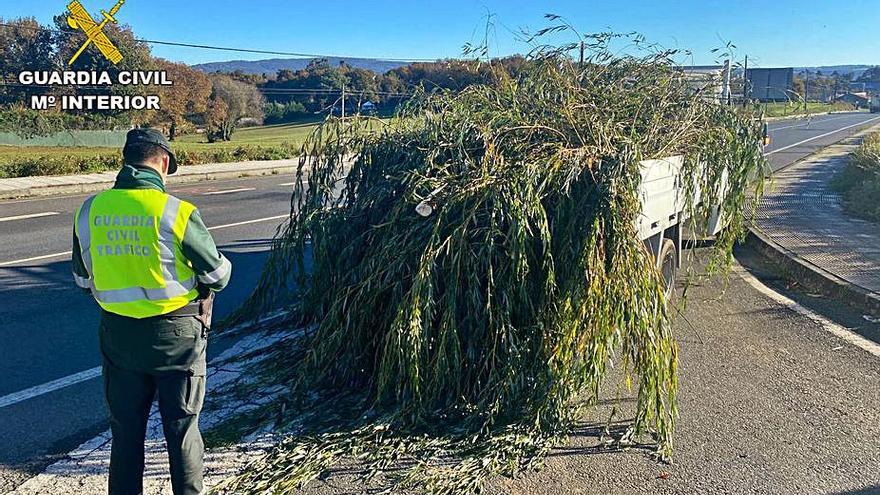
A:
[(186, 97), (231, 101)]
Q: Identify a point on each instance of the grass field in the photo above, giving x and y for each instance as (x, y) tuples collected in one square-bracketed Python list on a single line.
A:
[(786, 109), (270, 135), (271, 142), (265, 136)]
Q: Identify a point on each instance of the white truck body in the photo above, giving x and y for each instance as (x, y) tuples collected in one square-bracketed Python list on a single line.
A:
[(664, 207)]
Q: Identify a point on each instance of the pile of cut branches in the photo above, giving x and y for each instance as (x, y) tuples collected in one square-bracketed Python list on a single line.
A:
[(470, 272)]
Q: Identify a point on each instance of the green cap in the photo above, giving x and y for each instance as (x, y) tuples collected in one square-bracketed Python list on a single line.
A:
[(152, 136)]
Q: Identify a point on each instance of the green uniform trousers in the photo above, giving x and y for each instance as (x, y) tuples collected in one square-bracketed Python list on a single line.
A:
[(160, 357)]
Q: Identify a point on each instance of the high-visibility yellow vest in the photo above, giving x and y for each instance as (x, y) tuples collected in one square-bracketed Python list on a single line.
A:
[(131, 246)]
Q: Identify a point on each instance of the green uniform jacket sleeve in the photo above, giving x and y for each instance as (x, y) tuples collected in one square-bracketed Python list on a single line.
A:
[(212, 268), (80, 275)]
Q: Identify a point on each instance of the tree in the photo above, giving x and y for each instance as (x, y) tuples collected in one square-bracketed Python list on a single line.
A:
[(870, 75), (798, 86), (231, 101), (136, 56), (24, 45), (188, 95)]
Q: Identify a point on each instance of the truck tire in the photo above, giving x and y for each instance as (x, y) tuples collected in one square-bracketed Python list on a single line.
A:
[(668, 266)]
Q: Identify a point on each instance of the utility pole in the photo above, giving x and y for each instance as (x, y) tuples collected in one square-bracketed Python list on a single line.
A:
[(806, 88), (581, 59), (343, 101), (746, 81)]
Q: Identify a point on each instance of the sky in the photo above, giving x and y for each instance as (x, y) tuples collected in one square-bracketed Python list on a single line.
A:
[(776, 33)]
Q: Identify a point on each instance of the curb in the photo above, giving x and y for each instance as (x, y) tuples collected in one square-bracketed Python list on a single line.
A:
[(79, 186), (799, 270)]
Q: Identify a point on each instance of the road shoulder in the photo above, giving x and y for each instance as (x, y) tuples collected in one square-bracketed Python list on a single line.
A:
[(801, 227), (24, 187)]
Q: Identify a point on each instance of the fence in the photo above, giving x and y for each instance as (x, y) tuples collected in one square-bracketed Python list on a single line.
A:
[(95, 139)]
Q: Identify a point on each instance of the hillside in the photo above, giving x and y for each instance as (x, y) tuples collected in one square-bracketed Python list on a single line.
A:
[(855, 70), (271, 66)]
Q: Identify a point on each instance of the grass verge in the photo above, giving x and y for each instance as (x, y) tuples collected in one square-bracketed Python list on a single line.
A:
[(272, 142), (792, 109), (859, 182)]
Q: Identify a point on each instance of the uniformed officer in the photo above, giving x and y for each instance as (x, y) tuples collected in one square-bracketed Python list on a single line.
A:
[(151, 264)]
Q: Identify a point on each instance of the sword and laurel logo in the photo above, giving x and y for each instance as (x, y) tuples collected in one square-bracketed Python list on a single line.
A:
[(80, 19)]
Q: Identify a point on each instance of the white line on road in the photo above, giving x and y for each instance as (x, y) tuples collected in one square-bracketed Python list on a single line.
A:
[(35, 258), (30, 393), (820, 121), (821, 136), (248, 222), (288, 184), (229, 191), (32, 215), (826, 324)]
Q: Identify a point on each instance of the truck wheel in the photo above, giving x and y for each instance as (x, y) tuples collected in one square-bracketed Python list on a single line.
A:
[(668, 266)]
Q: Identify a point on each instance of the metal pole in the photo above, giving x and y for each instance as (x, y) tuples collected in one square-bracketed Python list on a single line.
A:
[(746, 81), (581, 59), (343, 101), (806, 89), (725, 88)]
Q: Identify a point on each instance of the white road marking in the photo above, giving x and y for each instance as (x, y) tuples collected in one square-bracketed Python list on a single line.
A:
[(820, 121), (248, 222), (35, 258), (821, 136), (82, 376), (30, 393), (32, 215), (288, 184), (829, 326), (229, 191)]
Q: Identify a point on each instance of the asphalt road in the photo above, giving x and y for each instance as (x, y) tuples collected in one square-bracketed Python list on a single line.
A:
[(48, 328), (794, 139)]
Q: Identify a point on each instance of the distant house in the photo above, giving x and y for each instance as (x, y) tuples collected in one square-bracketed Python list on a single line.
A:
[(368, 108), (865, 86), (858, 100)]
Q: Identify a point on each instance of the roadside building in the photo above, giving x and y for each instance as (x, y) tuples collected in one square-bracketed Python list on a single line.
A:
[(858, 100), (769, 85)]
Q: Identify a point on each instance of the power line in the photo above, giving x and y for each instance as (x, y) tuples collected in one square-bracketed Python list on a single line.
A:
[(224, 48), (268, 91)]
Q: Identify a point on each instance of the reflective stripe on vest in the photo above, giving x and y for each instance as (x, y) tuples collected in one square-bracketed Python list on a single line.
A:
[(136, 300)]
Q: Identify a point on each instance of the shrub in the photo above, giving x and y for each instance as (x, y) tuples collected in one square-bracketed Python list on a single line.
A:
[(859, 182), (32, 165), (280, 113)]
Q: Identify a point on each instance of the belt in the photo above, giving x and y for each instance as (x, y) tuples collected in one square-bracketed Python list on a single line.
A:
[(191, 309)]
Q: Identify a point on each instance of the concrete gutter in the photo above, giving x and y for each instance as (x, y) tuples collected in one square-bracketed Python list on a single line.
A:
[(24, 187)]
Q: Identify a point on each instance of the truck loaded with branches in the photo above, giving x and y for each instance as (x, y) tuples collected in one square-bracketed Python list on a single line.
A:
[(465, 276)]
